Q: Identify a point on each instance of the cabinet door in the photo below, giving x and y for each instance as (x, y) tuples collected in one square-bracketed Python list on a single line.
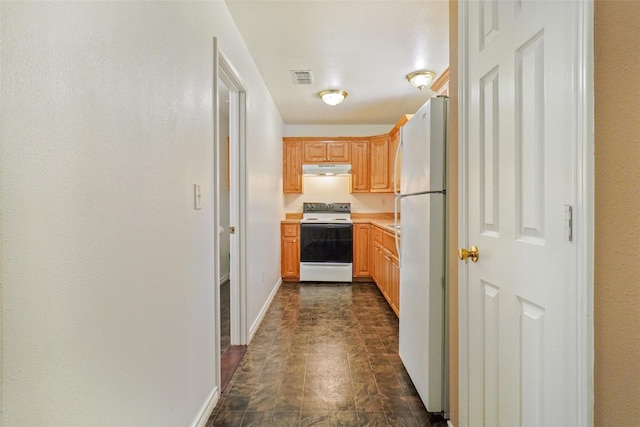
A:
[(290, 251), (360, 166), (314, 152), (377, 264), (394, 285), (379, 164), (338, 151), (290, 258), (361, 237), (394, 141), (386, 275), (292, 166)]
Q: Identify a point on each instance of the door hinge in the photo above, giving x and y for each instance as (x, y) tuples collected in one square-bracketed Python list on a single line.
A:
[(568, 222)]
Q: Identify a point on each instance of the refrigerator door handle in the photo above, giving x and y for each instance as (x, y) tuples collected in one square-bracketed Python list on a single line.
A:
[(396, 188), (421, 193), (396, 200)]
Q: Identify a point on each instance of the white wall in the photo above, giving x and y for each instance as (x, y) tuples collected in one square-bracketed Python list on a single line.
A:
[(337, 130), (264, 205), (336, 188), (107, 274)]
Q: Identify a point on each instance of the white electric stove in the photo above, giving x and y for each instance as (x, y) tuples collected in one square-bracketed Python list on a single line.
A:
[(326, 243)]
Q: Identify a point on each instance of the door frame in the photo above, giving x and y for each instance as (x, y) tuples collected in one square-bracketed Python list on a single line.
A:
[(224, 71), (583, 211)]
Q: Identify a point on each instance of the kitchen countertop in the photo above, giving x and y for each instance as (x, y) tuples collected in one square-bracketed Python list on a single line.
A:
[(383, 220), (386, 224)]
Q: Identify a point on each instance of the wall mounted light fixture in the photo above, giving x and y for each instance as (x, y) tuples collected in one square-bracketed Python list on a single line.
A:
[(421, 78), (333, 96)]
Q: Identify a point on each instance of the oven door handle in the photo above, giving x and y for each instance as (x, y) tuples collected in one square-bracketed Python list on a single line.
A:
[(325, 225)]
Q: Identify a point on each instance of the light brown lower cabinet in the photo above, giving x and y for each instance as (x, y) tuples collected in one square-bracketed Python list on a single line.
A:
[(386, 267), (290, 251), (394, 280), (361, 248), (378, 264)]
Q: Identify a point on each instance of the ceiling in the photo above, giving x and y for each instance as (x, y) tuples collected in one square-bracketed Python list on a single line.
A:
[(364, 47)]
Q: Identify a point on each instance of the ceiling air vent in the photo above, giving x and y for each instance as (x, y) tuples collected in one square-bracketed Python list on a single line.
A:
[(301, 77)]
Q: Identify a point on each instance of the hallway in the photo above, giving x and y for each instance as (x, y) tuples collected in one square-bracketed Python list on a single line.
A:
[(325, 355)]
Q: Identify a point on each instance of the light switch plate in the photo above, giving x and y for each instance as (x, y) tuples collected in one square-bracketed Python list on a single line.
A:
[(197, 196)]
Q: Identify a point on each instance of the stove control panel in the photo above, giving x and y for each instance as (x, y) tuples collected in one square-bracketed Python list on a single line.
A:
[(326, 207)]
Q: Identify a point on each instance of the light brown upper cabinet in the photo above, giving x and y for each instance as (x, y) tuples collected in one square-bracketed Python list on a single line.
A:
[(360, 166), (441, 85), (382, 155), (292, 166), (372, 158), (326, 151), (380, 164), (394, 142)]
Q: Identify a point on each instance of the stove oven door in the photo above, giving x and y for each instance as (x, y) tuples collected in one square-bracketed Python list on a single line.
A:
[(328, 243)]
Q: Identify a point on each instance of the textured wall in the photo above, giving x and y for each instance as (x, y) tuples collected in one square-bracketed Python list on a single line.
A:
[(107, 270), (336, 130), (617, 217)]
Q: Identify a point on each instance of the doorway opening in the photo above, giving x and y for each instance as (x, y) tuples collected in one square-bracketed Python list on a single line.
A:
[(229, 135), (224, 215)]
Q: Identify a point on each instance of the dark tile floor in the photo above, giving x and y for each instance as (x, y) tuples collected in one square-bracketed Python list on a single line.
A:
[(324, 355)]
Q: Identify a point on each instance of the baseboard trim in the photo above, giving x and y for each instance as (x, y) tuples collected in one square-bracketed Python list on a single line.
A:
[(207, 408), (264, 309), (449, 423)]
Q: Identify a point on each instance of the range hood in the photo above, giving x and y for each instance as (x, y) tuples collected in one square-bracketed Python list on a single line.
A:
[(326, 169)]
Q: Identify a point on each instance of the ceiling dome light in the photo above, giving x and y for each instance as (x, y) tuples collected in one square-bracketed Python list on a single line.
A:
[(421, 78), (333, 96)]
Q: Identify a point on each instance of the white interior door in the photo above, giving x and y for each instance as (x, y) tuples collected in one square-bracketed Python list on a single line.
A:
[(521, 344)]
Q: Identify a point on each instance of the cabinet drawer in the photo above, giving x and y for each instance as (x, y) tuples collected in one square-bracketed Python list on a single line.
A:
[(389, 243), (289, 230)]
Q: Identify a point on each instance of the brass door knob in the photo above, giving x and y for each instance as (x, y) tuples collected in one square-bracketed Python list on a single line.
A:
[(468, 253)]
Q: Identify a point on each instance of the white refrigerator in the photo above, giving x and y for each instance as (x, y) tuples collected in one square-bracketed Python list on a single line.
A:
[(422, 249)]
